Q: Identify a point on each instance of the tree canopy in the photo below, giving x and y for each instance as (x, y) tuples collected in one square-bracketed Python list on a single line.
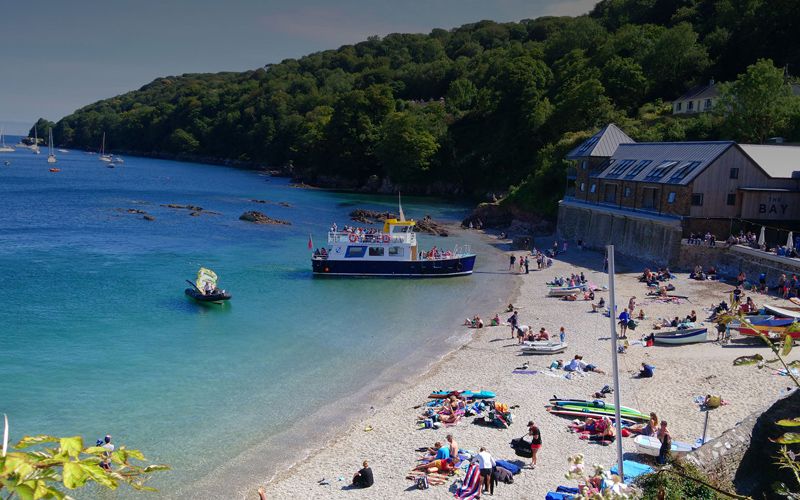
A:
[(477, 108)]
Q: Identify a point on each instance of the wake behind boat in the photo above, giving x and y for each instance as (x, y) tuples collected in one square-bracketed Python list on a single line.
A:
[(392, 252)]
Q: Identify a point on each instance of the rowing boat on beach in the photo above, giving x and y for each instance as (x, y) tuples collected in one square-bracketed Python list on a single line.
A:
[(543, 347), (783, 312), (678, 337), (650, 445), (564, 291)]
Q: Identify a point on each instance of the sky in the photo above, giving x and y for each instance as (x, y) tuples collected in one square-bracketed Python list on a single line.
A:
[(59, 55)]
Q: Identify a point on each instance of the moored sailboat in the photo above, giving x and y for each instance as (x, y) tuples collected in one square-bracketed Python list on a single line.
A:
[(3, 147), (103, 156), (51, 157)]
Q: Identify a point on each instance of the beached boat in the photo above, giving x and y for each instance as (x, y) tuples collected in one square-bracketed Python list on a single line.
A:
[(563, 291), (769, 327), (677, 337), (783, 312), (650, 445), (392, 252), (3, 147), (544, 347)]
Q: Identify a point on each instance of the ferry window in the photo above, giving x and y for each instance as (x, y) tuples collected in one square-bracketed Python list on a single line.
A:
[(400, 229), (395, 251), (376, 251), (355, 252)]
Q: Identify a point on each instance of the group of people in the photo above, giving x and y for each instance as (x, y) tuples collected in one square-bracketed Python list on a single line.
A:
[(526, 334), (699, 274), (653, 278), (700, 238), (573, 280)]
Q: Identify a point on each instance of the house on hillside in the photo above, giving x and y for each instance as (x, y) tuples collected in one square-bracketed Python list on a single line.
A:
[(699, 99), (703, 98), (646, 197)]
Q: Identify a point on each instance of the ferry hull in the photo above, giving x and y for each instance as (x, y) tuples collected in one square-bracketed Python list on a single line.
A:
[(412, 269)]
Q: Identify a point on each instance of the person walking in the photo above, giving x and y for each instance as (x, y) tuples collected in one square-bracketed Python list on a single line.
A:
[(511, 259), (527, 271), (513, 321), (536, 442)]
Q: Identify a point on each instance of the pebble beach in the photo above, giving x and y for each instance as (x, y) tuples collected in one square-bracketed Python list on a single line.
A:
[(388, 435)]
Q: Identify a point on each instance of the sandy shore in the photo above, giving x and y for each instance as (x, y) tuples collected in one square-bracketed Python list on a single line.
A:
[(487, 361)]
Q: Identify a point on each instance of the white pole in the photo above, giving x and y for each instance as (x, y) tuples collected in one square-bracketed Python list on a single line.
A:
[(614, 364)]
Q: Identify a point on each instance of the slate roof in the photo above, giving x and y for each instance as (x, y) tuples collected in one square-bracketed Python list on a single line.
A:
[(776, 161), (600, 145), (707, 91), (663, 162)]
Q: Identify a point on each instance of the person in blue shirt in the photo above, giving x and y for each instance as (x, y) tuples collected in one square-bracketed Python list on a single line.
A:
[(443, 451), (624, 317), (647, 371)]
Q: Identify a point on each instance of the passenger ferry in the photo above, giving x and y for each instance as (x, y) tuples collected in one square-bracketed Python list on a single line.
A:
[(391, 252)]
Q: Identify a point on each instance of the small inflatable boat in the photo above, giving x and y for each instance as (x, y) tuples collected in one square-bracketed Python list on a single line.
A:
[(218, 296)]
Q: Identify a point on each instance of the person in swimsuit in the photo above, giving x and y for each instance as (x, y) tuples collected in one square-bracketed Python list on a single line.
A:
[(536, 442)]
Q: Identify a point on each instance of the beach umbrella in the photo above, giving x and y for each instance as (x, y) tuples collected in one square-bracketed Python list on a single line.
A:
[(790, 241), (761, 238)]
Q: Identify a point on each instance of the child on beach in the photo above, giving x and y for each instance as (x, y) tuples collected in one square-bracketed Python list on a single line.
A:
[(536, 442)]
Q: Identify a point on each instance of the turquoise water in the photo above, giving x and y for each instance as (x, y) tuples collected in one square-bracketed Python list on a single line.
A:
[(98, 337)]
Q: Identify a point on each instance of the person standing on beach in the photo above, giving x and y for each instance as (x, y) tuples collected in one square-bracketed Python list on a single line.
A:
[(536, 442), (624, 317), (486, 464), (511, 259), (605, 265), (453, 446), (513, 321), (562, 335), (526, 265), (664, 436)]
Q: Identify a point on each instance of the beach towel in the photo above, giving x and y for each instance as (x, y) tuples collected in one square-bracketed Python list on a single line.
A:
[(502, 475), (509, 466), (632, 470), (471, 485)]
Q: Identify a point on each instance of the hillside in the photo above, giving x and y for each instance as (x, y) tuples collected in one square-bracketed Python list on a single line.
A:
[(469, 111)]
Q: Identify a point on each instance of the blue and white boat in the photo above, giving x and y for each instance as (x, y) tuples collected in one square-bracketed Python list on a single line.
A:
[(392, 252), (677, 337)]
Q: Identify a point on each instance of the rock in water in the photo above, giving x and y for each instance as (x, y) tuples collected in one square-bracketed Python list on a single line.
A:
[(259, 218)]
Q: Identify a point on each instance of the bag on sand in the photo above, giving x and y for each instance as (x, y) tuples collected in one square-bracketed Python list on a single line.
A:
[(422, 483), (522, 448)]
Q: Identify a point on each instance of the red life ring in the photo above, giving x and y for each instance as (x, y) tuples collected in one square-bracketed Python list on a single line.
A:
[(353, 238), (386, 238)]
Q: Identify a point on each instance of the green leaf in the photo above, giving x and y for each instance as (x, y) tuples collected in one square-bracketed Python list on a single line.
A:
[(135, 454), (72, 446), (789, 422), (748, 360), (29, 441), (99, 475), (24, 491), (94, 450), (788, 438), (787, 345), (73, 475)]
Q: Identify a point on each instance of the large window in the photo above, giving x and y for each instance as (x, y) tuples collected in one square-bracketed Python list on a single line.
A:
[(679, 106), (691, 106), (708, 103), (627, 192), (638, 169), (376, 251), (355, 252), (649, 198), (732, 199), (620, 167), (685, 170), (395, 251), (734, 173), (697, 199), (661, 170)]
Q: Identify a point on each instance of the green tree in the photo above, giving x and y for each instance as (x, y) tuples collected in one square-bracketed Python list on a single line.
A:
[(758, 104), (625, 82), (406, 146), (40, 129)]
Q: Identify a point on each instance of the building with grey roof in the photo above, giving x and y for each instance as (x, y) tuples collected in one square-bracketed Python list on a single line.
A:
[(666, 191)]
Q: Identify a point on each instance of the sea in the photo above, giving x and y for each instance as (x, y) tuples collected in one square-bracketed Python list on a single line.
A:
[(98, 337)]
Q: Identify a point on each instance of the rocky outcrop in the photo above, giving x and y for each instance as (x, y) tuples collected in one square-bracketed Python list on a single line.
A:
[(260, 218), (425, 225), (285, 204), (194, 210), (508, 218)]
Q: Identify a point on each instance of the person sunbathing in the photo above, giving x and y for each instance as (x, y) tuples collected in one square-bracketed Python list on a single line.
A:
[(600, 305), (648, 429), (441, 465), (542, 335)]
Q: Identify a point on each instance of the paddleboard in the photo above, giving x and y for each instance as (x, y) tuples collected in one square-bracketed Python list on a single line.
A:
[(585, 414), (590, 404), (605, 411)]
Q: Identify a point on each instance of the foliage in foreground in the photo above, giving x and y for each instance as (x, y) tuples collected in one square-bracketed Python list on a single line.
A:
[(34, 468)]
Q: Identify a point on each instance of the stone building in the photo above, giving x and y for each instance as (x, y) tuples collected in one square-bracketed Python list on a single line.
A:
[(646, 197)]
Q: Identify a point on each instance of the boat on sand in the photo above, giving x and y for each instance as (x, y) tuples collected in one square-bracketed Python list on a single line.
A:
[(544, 347), (650, 445), (678, 337)]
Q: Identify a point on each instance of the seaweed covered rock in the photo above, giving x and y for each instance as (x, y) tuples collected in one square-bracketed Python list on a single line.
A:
[(260, 218)]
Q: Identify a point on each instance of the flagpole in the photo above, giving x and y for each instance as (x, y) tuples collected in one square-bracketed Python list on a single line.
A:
[(614, 362)]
